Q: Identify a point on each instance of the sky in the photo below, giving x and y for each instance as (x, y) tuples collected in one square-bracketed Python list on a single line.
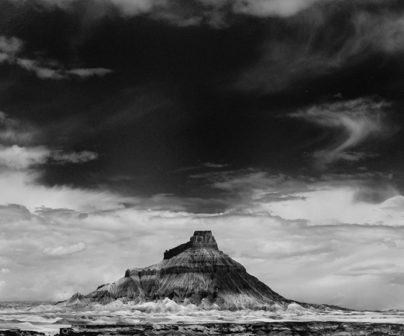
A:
[(125, 125)]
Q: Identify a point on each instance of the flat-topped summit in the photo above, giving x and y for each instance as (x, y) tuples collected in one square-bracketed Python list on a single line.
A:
[(194, 272), (200, 239), (203, 239)]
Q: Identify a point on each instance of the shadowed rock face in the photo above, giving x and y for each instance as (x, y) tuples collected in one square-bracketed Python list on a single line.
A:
[(196, 272)]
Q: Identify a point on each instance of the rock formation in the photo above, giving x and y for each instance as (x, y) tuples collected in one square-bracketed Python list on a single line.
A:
[(196, 272)]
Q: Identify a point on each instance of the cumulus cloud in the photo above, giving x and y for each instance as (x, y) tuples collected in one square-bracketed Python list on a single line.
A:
[(16, 157), (356, 121)]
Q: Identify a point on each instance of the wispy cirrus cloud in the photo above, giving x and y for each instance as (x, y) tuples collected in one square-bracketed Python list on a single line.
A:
[(11, 49), (311, 45), (356, 121), (64, 250), (40, 70), (73, 157)]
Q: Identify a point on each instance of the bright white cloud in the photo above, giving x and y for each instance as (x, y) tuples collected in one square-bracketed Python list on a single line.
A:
[(22, 188), (329, 205)]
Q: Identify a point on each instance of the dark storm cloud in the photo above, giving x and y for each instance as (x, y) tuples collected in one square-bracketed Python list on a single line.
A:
[(199, 82)]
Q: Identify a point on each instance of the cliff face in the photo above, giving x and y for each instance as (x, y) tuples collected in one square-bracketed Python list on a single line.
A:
[(200, 239), (196, 272)]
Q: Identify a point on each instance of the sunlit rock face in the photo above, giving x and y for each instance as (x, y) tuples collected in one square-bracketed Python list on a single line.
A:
[(195, 272)]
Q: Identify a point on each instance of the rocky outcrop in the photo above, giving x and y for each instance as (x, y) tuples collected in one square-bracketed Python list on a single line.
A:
[(196, 272), (18, 332)]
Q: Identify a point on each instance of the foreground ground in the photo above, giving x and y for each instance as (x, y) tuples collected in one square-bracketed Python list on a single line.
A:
[(273, 329)]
